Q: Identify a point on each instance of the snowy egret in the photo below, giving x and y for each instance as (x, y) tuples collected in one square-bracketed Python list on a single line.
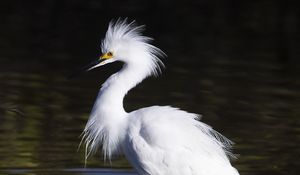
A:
[(157, 140)]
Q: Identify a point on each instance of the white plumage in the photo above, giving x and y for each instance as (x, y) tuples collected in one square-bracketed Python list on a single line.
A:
[(157, 140)]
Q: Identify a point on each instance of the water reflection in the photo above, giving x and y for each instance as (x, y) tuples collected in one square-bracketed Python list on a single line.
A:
[(77, 171)]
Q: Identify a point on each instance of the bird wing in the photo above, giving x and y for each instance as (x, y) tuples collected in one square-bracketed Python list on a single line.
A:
[(166, 140)]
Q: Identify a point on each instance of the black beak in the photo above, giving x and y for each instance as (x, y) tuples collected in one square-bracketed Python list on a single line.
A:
[(86, 68)]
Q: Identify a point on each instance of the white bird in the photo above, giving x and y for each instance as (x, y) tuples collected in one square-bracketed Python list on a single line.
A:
[(157, 140)]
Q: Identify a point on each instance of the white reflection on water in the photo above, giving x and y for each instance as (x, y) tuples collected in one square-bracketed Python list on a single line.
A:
[(73, 171)]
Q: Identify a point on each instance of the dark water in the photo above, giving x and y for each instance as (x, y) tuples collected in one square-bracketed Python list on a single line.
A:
[(241, 74)]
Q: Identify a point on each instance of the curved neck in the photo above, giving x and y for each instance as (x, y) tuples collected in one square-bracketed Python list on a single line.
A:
[(107, 122), (115, 88)]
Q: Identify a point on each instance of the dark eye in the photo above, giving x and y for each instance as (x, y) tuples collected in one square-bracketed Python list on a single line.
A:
[(110, 54)]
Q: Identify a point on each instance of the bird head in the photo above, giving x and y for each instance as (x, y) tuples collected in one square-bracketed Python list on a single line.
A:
[(124, 42)]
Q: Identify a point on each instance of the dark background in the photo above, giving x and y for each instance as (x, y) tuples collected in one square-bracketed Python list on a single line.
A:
[(49, 27), (235, 62)]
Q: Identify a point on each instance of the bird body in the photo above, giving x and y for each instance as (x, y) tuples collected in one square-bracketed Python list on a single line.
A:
[(164, 140), (157, 140)]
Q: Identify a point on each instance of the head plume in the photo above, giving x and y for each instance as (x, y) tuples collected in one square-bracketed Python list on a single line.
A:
[(130, 46)]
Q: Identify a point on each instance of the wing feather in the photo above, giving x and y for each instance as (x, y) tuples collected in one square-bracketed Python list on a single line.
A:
[(157, 136)]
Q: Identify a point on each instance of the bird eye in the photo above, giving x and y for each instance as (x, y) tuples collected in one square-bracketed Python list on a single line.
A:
[(110, 54)]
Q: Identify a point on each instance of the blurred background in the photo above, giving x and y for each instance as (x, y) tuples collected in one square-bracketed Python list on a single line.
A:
[(235, 62)]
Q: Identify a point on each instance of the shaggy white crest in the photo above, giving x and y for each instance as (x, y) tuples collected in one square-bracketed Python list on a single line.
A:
[(130, 46), (156, 140)]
